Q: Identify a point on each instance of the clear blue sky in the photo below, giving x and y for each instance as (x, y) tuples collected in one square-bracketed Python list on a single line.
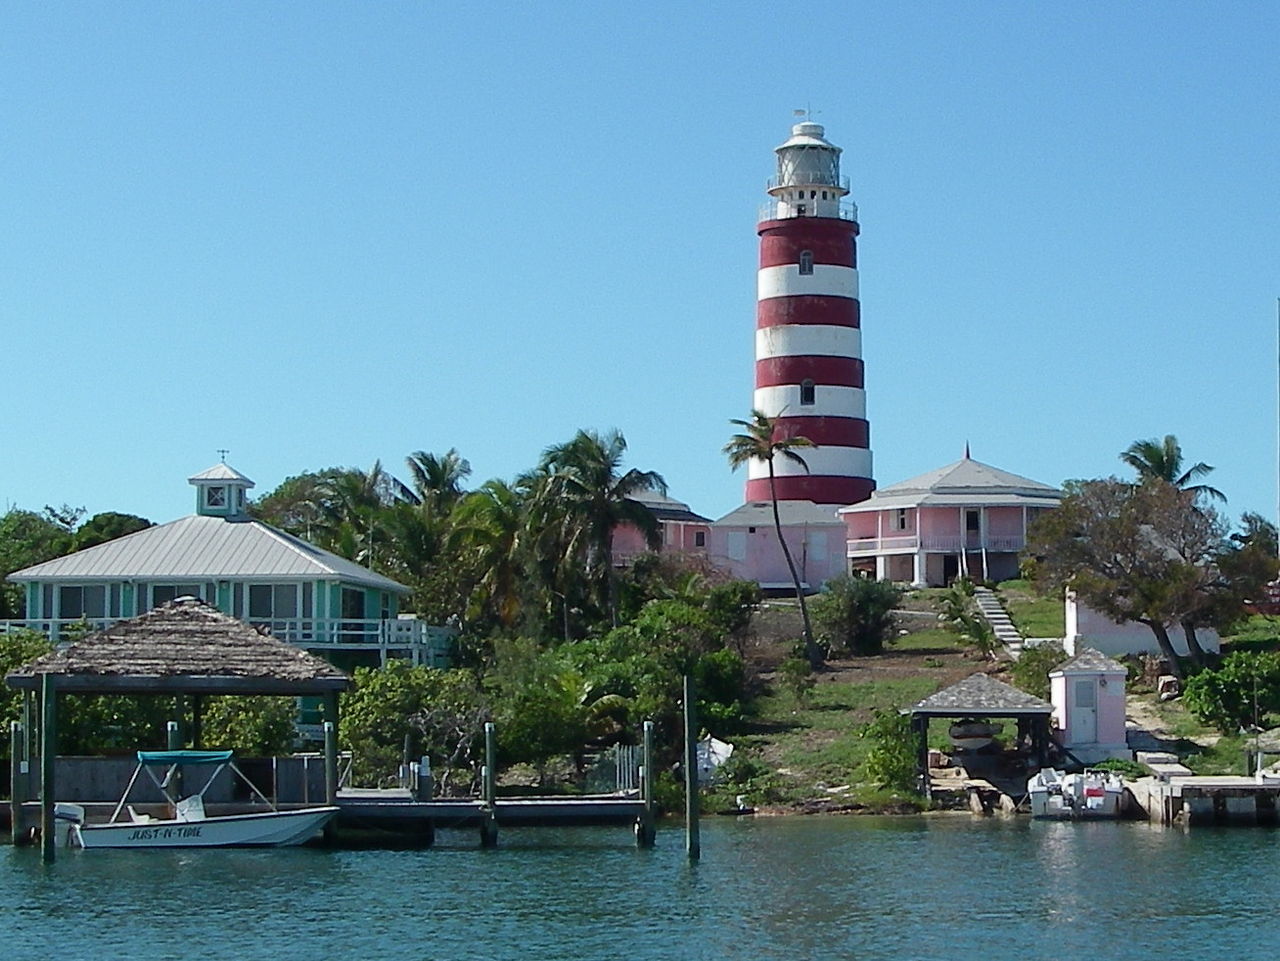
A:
[(321, 234)]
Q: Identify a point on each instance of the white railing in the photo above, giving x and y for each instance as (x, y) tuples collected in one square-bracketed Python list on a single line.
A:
[(427, 642), (785, 210), (860, 546)]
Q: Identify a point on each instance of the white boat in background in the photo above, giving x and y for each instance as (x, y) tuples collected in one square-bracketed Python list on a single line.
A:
[(973, 735), (1067, 797), (191, 827)]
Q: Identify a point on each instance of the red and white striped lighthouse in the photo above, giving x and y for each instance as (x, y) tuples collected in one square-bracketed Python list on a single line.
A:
[(808, 336)]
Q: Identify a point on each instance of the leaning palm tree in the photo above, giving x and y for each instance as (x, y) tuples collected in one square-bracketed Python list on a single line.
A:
[(760, 441), (1162, 460), (437, 478)]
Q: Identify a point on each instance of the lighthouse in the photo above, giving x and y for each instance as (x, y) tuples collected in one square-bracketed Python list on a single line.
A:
[(809, 372)]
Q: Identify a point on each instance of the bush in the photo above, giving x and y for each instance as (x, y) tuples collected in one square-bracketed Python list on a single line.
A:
[(1239, 694), (891, 762), (798, 679), (855, 614), (1030, 672), (442, 711), (961, 618)]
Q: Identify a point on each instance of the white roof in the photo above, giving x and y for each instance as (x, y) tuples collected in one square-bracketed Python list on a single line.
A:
[(206, 548), (220, 472), (966, 482), (791, 513)]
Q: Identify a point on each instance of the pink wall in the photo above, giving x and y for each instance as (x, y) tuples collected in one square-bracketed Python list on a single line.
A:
[(940, 521), (816, 562), (1109, 711), (676, 536)]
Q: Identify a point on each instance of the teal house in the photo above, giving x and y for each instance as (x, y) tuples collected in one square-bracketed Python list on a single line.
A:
[(248, 569)]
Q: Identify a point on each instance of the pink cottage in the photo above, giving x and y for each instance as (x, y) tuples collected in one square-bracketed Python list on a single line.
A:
[(967, 518)]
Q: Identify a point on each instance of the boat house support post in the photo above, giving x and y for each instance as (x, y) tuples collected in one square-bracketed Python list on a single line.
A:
[(692, 837), (17, 779), (646, 832), (197, 721), (920, 734), (489, 789), (48, 753)]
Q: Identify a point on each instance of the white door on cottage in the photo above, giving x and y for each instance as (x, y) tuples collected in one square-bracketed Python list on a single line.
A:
[(1084, 714)]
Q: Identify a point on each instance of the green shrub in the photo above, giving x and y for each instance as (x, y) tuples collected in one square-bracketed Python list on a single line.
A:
[(1240, 693), (855, 614), (1030, 672), (891, 762), (1122, 766), (798, 679)]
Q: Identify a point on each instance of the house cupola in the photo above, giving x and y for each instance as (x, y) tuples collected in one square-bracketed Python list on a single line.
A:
[(220, 491)]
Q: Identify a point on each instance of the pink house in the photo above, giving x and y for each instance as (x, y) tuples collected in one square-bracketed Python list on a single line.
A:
[(967, 518), (682, 529), (744, 543)]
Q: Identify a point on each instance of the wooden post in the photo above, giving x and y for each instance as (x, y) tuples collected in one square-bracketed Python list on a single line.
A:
[(489, 789), (48, 753), (173, 742), (646, 830), (197, 721), (330, 709), (920, 728), (16, 779), (692, 838)]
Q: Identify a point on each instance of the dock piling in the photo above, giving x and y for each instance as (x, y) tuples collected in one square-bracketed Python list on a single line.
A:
[(646, 830), (489, 788), (692, 836), (48, 753), (17, 781)]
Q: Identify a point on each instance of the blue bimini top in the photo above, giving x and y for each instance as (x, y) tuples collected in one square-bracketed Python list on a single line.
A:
[(162, 758)]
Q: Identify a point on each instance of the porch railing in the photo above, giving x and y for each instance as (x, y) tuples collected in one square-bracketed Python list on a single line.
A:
[(952, 544)]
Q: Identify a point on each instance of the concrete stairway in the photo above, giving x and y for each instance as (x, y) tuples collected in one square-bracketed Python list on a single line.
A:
[(993, 611)]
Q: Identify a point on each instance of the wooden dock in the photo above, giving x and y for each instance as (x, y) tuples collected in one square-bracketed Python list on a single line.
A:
[(398, 812)]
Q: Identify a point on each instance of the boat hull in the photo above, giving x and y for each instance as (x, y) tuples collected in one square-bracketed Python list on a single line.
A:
[(1075, 797), (264, 829)]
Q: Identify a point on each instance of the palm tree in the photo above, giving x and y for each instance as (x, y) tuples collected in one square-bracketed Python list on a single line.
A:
[(437, 478), (490, 523), (760, 441), (585, 477), (1162, 460)]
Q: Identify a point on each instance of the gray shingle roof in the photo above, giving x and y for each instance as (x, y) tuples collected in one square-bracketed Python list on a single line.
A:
[(980, 696), (199, 548), (185, 645), (1092, 662)]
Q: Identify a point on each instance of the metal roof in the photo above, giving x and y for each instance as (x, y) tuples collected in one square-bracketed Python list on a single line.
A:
[(220, 472), (667, 508), (965, 482), (980, 696), (791, 513), (203, 548)]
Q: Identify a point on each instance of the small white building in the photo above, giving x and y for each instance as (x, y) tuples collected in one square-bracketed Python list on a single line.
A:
[(1087, 628)]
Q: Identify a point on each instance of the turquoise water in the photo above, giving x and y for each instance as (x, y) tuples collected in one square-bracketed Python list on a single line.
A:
[(929, 888)]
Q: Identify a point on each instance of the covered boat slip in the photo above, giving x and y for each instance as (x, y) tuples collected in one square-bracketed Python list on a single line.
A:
[(987, 771), (184, 647)]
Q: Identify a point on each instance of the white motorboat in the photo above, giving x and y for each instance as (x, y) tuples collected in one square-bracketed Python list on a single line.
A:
[(973, 735), (1067, 797), (191, 827)]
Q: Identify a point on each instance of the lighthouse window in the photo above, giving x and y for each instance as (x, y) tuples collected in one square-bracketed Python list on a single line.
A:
[(806, 393), (806, 261)]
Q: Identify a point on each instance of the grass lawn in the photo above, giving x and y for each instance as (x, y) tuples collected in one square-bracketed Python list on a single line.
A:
[(1032, 614)]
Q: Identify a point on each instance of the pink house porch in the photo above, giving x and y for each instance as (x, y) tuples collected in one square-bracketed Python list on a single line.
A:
[(967, 518)]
